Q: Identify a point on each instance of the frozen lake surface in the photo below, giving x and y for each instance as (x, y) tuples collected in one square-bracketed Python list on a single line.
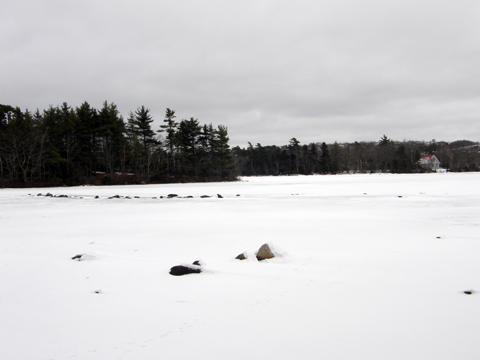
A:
[(367, 267)]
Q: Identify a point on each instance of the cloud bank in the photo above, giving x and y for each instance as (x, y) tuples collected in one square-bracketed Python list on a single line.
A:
[(268, 70)]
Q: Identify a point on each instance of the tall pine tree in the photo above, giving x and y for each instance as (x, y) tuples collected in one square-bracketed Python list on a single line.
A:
[(170, 128)]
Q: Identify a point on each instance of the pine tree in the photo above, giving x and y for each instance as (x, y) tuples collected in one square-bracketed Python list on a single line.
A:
[(170, 128), (187, 140), (141, 133), (294, 149), (139, 125), (325, 162), (86, 133), (222, 153), (386, 154)]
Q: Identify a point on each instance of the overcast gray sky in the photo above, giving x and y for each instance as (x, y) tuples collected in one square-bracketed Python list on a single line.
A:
[(270, 70)]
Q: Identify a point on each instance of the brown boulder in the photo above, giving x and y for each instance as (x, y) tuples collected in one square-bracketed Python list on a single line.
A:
[(264, 253)]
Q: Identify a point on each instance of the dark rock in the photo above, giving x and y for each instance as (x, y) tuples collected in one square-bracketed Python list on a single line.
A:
[(238, 194), (241, 257), (264, 253), (39, 194), (83, 257), (188, 197), (468, 292), (180, 270), (137, 197), (219, 196), (171, 195), (197, 262), (49, 195), (63, 196), (97, 197), (114, 197), (205, 196)]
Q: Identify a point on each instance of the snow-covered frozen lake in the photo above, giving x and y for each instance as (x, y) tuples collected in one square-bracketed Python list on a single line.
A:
[(368, 267)]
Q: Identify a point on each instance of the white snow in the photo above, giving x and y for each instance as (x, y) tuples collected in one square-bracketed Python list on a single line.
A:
[(368, 267)]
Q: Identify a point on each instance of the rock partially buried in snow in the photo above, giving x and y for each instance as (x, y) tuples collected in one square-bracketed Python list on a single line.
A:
[(180, 270), (242, 256), (264, 253), (83, 257)]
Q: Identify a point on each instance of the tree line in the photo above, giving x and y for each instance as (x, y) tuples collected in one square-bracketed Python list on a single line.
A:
[(384, 155), (63, 145)]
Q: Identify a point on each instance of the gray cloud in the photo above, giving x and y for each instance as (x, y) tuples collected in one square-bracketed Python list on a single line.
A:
[(269, 70)]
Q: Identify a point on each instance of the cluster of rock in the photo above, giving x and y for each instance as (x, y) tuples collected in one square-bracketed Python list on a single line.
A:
[(169, 196), (265, 252), (51, 195), (262, 254)]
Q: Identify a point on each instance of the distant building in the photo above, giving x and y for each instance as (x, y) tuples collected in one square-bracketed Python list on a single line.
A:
[(429, 162)]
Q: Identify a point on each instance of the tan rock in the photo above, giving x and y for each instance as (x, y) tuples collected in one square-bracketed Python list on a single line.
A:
[(264, 253)]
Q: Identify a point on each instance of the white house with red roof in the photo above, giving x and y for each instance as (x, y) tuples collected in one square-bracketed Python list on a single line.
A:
[(429, 162)]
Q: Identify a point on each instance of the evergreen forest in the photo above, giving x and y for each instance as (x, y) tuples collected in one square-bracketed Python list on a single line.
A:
[(70, 146), (73, 146)]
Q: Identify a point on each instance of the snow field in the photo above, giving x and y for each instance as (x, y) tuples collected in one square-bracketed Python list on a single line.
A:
[(369, 267)]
